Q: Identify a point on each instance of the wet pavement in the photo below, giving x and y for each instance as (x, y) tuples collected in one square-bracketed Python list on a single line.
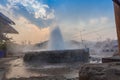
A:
[(2, 74), (18, 69)]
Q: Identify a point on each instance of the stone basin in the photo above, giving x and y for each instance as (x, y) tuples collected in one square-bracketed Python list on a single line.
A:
[(57, 56)]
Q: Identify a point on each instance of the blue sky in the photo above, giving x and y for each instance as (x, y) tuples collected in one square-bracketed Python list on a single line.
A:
[(72, 15), (82, 8)]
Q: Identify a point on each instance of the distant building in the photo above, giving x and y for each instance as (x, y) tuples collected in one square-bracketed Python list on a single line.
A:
[(5, 27), (106, 48), (110, 47)]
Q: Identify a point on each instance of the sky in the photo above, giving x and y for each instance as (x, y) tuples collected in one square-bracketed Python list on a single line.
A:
[(91, 19)]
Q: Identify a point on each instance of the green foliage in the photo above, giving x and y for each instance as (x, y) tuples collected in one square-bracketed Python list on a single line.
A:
[(2, 45)]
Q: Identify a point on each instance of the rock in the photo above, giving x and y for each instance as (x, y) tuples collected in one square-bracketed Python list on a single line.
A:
[(106, 71)]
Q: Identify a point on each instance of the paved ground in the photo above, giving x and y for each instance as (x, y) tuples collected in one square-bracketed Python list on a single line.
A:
[(2, 74), (3, 66), (7, 63)]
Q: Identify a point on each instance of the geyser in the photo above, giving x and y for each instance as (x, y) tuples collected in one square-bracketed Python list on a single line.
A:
[(56, 41)]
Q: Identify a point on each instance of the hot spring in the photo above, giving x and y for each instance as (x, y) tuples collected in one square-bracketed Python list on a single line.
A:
[(57, 52)]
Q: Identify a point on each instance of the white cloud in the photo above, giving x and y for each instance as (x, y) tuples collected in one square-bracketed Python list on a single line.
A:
[(29, 32), (100, 20), (33, 6), (51, 15), (104, 20), (93, 21)]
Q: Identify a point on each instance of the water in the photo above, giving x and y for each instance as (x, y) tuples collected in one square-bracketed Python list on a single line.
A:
[(56, 41)]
